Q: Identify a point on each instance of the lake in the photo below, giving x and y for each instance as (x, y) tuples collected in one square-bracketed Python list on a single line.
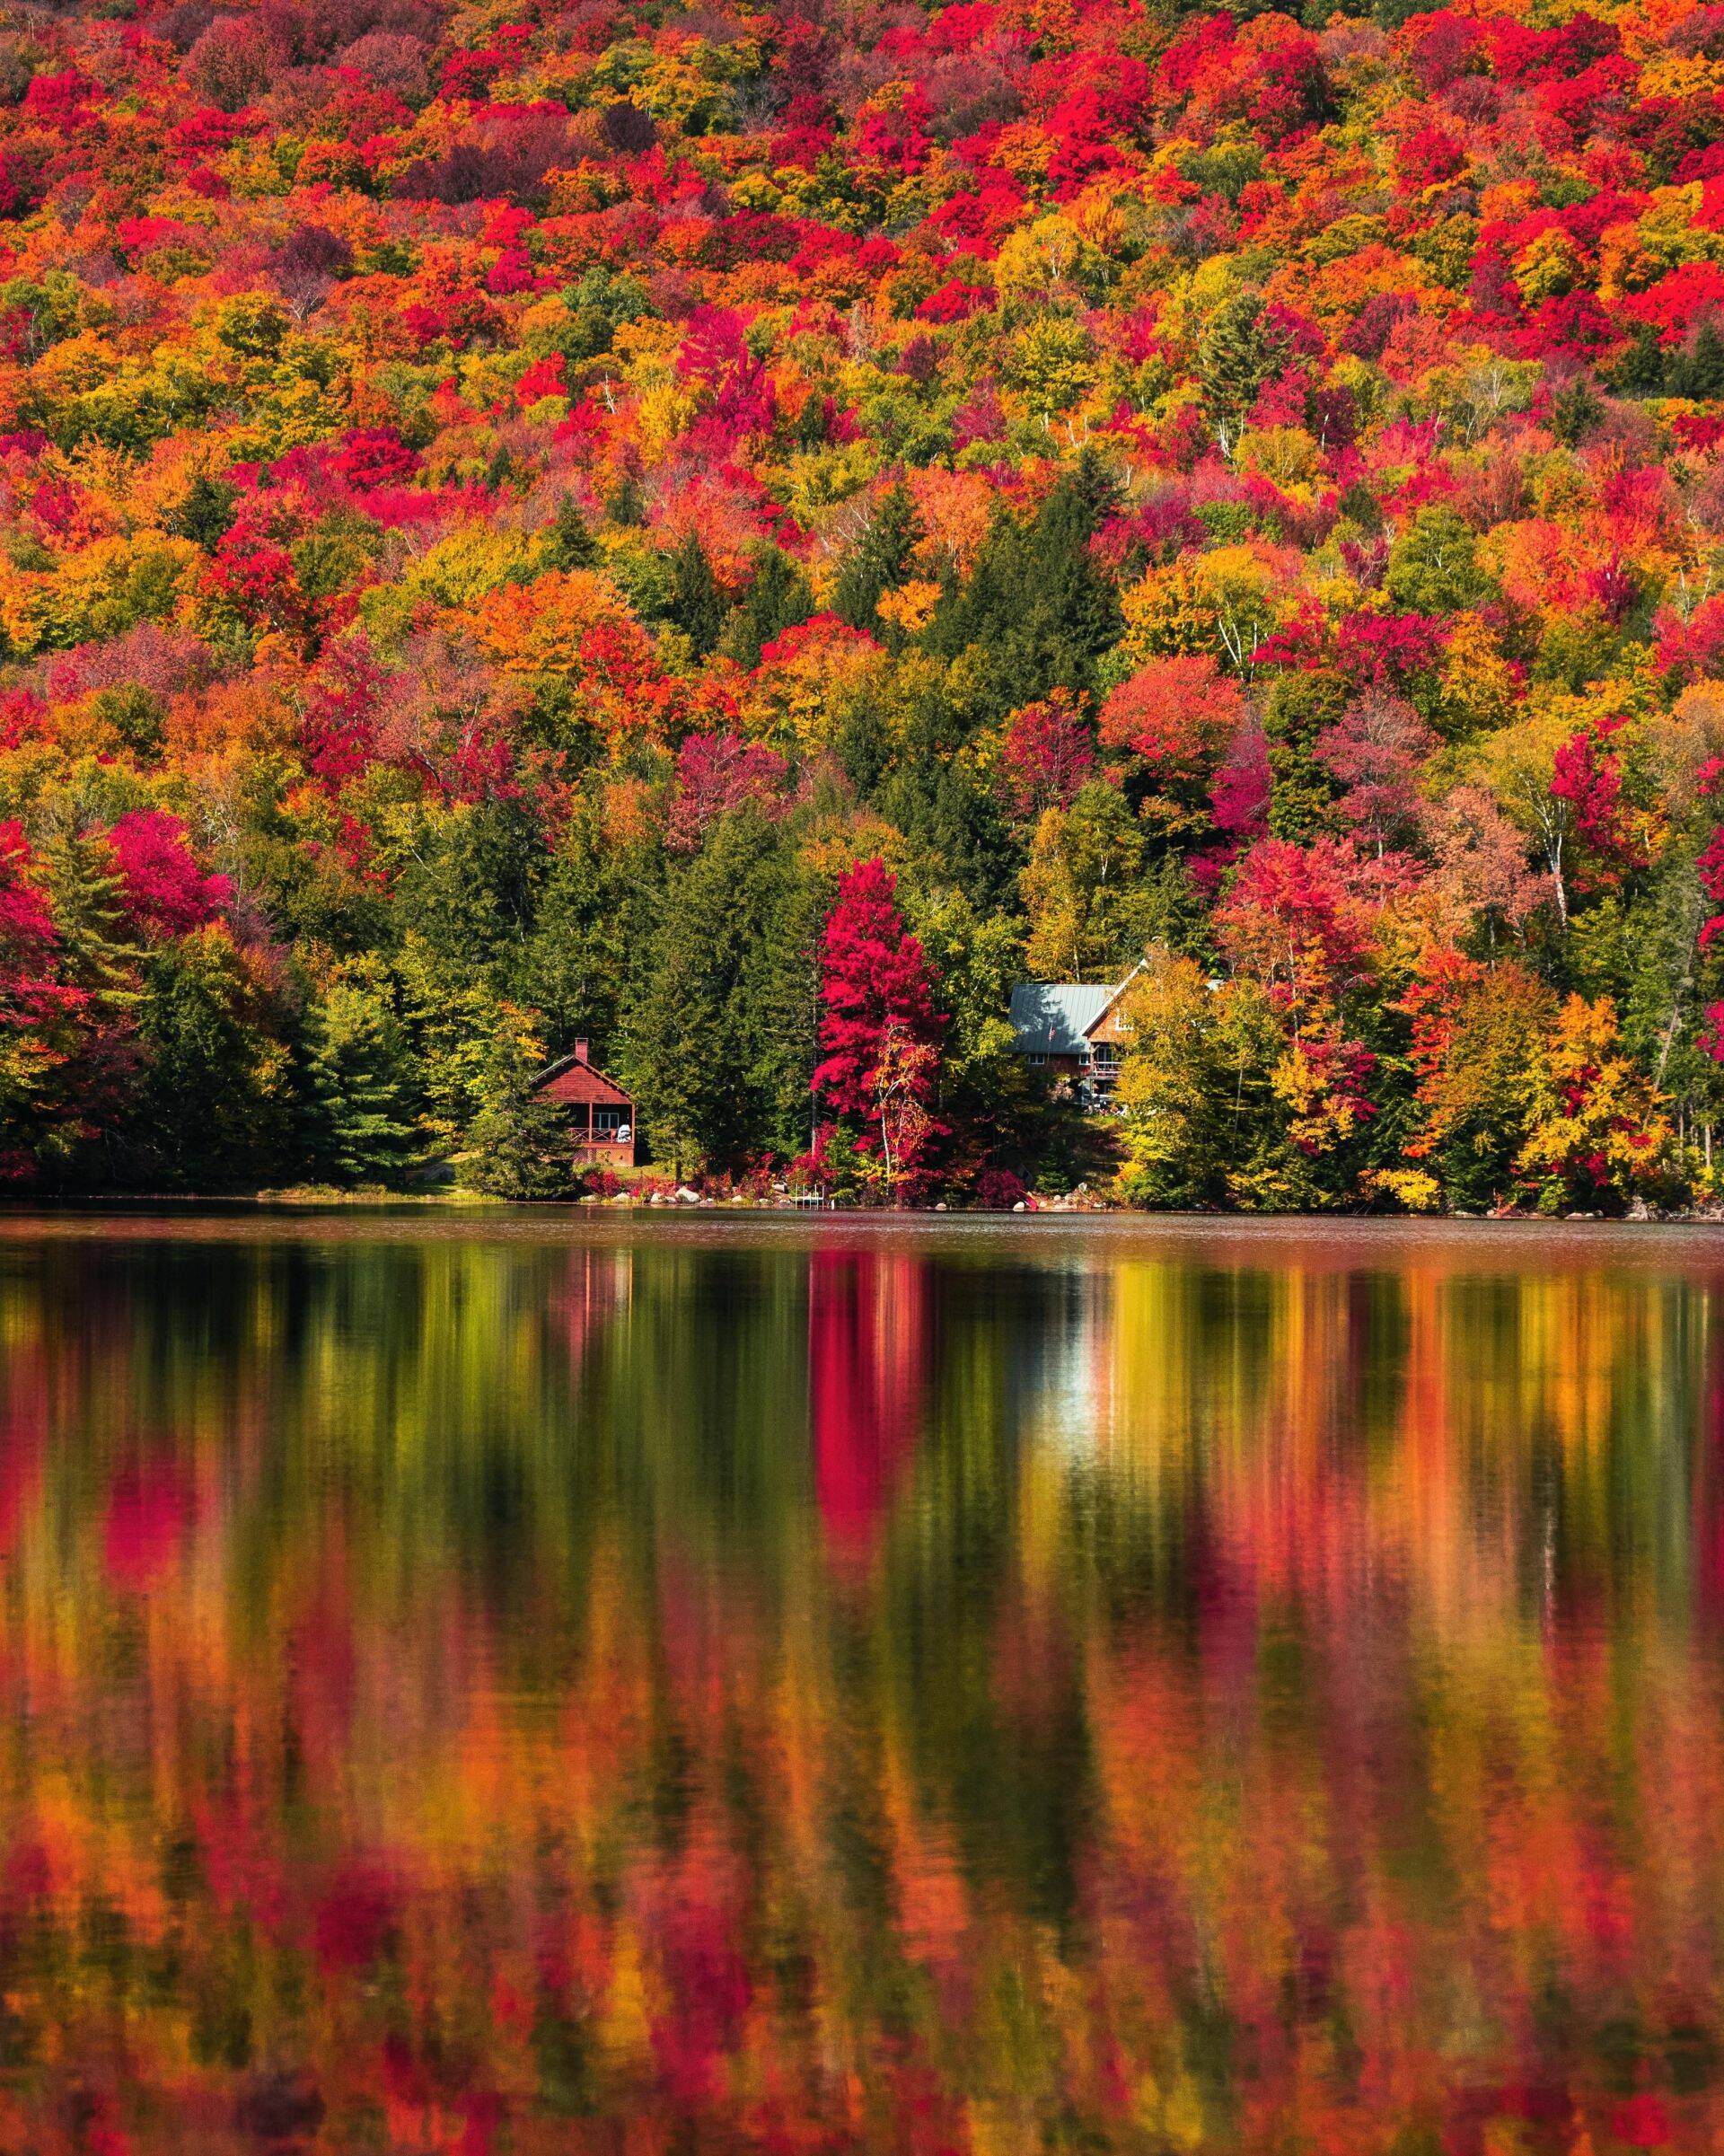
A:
[(527, 1682)]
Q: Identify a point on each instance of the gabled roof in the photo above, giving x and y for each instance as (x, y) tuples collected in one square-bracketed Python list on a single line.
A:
[(1053, 1017), (571, 1080), (1057, 1018)]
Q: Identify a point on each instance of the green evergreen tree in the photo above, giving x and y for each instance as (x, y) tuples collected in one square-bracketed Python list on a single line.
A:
[(469, 885), (205, 514), (1237, 351), (569, 545), (780, 1014), (1639, 369), (96, 949), (1038, 610), (95, 954), (695, 603), (778, 598), (361, 1086), (214, 1110), (1699, 372), (687, 1048), (880, 560), (519, 1145), (593, 931)]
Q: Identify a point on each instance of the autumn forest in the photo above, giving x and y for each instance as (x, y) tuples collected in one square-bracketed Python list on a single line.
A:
[(739, 535)]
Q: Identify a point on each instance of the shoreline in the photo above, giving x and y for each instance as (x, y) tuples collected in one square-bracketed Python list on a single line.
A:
[(455, 1203)]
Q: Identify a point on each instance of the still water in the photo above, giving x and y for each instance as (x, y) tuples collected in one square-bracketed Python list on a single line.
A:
[(526, 1683)]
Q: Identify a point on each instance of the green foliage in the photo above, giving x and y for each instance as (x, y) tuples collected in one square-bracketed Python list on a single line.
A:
[(1237, 351), (1433, 565), (215, 1109), (880, 560), (694, 603), (361, 1086), (779, 596), (519, 1142), (1037, 611), (695, 1045)]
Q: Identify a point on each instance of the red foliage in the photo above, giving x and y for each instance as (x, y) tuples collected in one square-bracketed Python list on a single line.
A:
[(1294, 920), (166, 891), (1176, 714), (28, 989), (878, 1026), (1589, 777), (716, 772), (1046, 755)]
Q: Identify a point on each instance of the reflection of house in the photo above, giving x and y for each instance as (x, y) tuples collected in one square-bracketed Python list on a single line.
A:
[(1072, 1029), (602, 1116)]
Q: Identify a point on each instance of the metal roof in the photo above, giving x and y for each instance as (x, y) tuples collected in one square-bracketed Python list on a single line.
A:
[(1053, 1017)]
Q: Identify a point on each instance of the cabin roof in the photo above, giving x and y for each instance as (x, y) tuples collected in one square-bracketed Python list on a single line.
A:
[(1053, 1017), (571, 1080), (1057, 1018)]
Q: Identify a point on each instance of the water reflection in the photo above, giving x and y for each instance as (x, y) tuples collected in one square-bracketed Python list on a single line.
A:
[(504, 1692)]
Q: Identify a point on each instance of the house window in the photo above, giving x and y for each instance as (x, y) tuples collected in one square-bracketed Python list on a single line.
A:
[(608, 1122), (1036, 1056), (1105, 1055)]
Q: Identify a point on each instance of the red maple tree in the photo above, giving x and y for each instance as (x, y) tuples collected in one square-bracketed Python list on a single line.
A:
[(879, 1024)]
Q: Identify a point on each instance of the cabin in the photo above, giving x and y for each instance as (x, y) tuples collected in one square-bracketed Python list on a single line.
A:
[(602, 1115), (1073, 1030)]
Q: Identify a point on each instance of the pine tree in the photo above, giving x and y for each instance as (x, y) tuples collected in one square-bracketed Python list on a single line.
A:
[(780, 1013), (779, 597), (1699, 373), (214, 1110), (361, 1086), (880, 560), (1038, 611), (568, 544), (519, 1144), (688, 1050), (695, 604), (1237, 353), (205, 514)]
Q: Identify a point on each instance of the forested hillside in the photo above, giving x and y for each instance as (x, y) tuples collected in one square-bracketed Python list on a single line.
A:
[(739, 535)]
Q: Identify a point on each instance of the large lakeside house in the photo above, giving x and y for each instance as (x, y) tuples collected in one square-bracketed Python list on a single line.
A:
[(1074, 1030), (602, 1115)]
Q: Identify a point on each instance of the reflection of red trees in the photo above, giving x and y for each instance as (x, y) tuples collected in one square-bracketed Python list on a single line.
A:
[(150, 1508), (596, 1286), (1709, 1485), (23, 1424), (868, 1356)]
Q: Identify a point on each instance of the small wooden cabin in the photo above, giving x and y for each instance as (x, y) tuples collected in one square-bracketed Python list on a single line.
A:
[(602, 1115)]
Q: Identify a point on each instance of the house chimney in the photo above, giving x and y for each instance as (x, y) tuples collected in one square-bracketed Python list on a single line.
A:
[(580, 1052)]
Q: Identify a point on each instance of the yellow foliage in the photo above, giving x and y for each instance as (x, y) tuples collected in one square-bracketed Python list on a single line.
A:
[(1478, 687), (1044, 257), (911, 606), (1548, 265), (1287, 455), (802, 697), (101, 591), (469, 562)]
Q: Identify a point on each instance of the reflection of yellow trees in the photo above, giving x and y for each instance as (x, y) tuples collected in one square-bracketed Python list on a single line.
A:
[(1343, 1424)]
